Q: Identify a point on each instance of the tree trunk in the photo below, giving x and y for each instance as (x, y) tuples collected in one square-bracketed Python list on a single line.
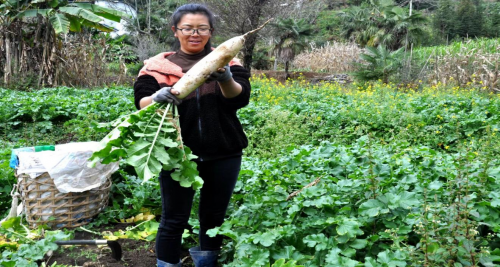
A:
[(149, 16), (44, 60), (137, 17), (254, 19), (8, 60), (248, 51), (21, 52), (287, 75), (38, 32), (385, 77)]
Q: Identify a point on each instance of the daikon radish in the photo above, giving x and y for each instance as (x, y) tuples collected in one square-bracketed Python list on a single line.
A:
[(218, 58)]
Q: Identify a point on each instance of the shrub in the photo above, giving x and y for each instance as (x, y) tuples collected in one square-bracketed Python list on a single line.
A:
[(147, 46), (134, 68), (273, 129), (380, 64)]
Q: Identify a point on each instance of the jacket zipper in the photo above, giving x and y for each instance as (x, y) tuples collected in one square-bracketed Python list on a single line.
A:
[(199, 117)]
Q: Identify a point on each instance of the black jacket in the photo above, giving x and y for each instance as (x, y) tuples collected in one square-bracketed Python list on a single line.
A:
[(209, 125)]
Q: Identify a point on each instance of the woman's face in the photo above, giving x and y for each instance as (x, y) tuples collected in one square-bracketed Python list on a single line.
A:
[(192, 44)]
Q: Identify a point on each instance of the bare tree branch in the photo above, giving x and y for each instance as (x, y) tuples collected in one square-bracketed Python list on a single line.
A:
[(236, 17)]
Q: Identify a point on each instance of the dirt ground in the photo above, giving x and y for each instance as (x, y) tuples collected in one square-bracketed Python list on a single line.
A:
[(135, 253)]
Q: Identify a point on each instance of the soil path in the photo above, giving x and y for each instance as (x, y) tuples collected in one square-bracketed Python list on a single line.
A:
[(135, 253)]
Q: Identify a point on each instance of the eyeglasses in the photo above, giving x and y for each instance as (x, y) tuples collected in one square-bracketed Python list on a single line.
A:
[(202, 31)]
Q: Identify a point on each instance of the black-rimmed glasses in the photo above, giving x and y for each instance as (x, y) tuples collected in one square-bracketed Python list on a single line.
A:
[(189, 31)]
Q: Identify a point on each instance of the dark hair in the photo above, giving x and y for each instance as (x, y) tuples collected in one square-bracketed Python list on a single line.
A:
[(192, 9)]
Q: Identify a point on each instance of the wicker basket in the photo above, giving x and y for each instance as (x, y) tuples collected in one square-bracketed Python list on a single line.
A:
[(44, 204)]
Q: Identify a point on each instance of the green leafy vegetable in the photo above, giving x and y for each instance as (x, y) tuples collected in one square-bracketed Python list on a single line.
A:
[(150, 140)]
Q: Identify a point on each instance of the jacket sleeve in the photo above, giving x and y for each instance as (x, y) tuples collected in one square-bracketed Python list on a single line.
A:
[(241, 76), (145, 85)]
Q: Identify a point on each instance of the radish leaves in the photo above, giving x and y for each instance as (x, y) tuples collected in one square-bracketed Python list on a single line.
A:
[(150, 140)]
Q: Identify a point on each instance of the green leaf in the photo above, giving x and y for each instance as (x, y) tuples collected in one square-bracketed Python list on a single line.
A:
[(81, 13), (60, 23), (256, 257), (29, 13), (333, 259), (370, 262), (12, 3), (8, 263), (283, 263), (187, 175), (279, 263), (371, 208), (213, 232), (56, 235), (112, 136), (487, 261), (139, 146), (388, 258), (14, 223), (381, 169), (317, 241), (432, 247), (74, 24), (161, 154), (408, 199), (495, 199), (114, 156), (287, 252), (97, 26), (225, 229), (348, 252), (435, 185), (54, 3), (265, 239), (494, 172), (358, 243), (140, 156), (167, 142), (349, 227), (332, 256), (104, 12)]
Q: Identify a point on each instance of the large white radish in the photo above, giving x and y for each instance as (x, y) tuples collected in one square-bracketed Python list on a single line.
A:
[(218, 58)]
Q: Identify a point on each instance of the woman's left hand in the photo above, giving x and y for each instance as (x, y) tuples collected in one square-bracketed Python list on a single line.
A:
[(221, 75)]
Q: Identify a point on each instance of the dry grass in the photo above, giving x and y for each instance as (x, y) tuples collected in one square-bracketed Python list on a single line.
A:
[(82, 62), (332, 58), (467, 65)]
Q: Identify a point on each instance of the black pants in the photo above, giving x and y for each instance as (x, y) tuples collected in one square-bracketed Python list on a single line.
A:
[(219, 178)]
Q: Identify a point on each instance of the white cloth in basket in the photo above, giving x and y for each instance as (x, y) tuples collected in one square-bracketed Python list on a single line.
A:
[(67, 166)]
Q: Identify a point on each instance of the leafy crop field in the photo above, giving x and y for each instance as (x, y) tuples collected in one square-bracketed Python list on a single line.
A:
[(357, 175), (484, 45)]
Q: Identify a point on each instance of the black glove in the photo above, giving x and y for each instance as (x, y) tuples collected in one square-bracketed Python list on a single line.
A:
[(218, 76), (165, 96)]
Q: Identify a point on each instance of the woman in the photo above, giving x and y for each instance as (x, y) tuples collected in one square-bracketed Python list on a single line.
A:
[(210, 128)]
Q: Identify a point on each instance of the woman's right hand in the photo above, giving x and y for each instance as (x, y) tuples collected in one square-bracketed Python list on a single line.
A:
[(166, 95)]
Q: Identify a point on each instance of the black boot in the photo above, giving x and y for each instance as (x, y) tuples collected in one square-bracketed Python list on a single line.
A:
[(204, 258), (161, 263)]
